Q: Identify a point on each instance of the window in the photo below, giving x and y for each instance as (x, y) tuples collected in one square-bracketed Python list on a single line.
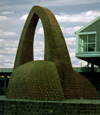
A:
[(87, 43)]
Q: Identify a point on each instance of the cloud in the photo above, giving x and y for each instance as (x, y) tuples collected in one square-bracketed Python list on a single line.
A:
[(66, 30), (7, 56), (68, 2), (82, 17), (1, 40), (3, 18), (38, 50), (8, 51), (24, 17), (70, 41), (70, 30), (6, 61), (6, 33), (7, 12), (7, 43), (11, 43), (1, 56), (40, 31), (11, 50)]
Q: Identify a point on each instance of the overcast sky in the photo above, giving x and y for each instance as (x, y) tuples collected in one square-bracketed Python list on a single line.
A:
[(71, 15)]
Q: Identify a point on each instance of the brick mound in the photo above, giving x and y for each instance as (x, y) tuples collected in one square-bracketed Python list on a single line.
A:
[(78, 87), (36, 80)]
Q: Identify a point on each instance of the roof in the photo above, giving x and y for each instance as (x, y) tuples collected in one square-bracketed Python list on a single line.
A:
[(77, 69), (90, 23), (5, 70)]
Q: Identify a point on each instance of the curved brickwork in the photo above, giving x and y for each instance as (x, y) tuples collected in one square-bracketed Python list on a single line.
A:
[(73, 84), (33, 83)]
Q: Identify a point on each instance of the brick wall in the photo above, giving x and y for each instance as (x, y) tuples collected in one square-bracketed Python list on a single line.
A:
[(68, 107)]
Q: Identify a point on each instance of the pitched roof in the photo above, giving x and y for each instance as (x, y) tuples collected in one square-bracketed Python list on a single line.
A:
[(90, 23)]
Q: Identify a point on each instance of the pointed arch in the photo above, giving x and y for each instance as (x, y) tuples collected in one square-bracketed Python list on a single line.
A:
[(55, 46)]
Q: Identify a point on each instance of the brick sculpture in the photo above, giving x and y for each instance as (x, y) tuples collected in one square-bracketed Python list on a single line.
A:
[(53, 78)]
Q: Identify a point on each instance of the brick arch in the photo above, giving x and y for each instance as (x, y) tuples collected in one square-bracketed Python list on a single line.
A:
[(74, 85), (55, 46)]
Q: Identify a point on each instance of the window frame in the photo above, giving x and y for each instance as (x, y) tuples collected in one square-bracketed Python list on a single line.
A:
[(82, 44)]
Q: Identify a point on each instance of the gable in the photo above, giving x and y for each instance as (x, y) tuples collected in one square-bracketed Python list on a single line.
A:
[(92, 26)]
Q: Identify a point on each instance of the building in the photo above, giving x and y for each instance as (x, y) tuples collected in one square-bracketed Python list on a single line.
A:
[(4, 79), (88, 42)]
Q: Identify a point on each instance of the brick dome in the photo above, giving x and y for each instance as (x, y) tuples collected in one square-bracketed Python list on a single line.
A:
[(38, 80)]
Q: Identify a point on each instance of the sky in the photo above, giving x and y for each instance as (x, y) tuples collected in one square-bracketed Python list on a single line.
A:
[(71, 15)]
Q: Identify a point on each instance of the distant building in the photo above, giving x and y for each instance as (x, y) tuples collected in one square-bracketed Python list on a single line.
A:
[(88, 42), (5, 74)]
